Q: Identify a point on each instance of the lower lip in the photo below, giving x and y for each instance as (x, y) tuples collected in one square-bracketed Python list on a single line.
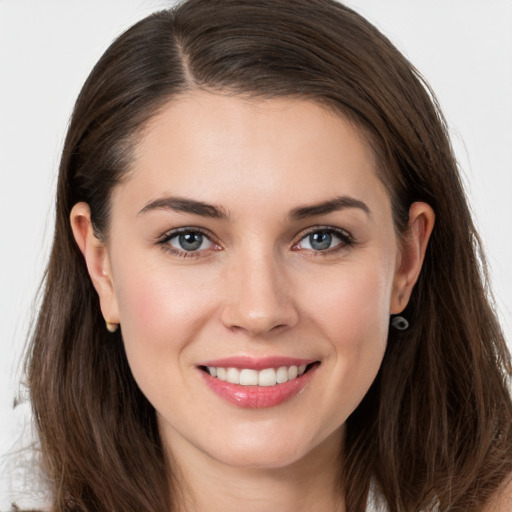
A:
[(258, 397)]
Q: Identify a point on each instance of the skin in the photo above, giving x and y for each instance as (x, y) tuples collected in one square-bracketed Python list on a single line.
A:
[(259, 288)]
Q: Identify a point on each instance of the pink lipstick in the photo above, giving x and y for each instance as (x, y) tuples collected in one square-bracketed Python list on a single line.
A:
[(257, 382)]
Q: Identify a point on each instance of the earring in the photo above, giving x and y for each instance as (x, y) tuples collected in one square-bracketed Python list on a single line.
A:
[(111, 326), (400, 323)]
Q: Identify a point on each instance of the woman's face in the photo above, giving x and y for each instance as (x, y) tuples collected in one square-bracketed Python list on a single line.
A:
[(254, 238)]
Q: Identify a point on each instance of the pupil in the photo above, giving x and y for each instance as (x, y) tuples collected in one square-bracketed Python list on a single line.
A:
[(320, 241), (191, 241)]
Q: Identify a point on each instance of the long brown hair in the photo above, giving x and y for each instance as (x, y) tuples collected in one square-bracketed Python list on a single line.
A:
[(435, 429)]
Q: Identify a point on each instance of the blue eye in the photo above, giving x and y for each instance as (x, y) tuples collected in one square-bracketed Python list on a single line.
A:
[(320, 241), (323, 240), (188, 241)]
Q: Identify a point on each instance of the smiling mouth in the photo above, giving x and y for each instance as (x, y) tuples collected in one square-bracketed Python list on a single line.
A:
[(265, 377)]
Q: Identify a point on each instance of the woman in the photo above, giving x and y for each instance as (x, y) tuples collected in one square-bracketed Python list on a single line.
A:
[(264, 288)]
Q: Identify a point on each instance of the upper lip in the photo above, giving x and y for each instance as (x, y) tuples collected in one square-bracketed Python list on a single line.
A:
[(256, 363)]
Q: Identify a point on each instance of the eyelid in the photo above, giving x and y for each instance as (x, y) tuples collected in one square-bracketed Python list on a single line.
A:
[(168, 235), (185, 229), (346, 238)]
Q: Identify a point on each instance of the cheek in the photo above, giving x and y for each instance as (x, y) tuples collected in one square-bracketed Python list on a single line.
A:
[(161, 314), (352, 305), (161, 310), (354, 317)]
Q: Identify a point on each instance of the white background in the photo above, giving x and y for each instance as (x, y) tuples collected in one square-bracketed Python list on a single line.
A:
[(47, 48)]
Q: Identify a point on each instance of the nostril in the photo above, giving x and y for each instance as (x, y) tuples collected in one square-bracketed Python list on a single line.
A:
[(268, 318), (279, 327)]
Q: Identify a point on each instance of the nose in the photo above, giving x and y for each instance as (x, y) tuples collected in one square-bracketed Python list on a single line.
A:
[(258, 297)]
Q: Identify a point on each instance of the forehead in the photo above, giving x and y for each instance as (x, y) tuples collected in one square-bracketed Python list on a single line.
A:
[(219, 147)]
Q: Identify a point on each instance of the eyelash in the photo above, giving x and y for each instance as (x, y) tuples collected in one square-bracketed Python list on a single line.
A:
[(346, 241), (167, 237)]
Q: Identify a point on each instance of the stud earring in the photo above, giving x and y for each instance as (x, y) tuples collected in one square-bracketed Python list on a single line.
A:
[(400, 323), (111, 326)]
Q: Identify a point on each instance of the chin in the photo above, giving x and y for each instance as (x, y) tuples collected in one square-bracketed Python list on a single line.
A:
[(266, 450), (260, 459)]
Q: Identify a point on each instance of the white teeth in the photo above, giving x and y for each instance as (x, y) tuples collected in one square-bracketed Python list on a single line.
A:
[(233, 375), (282, 374), (267, 377), (249, 377)]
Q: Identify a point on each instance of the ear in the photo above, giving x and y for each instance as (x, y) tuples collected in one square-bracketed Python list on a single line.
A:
[(411, 255), (97, 260)]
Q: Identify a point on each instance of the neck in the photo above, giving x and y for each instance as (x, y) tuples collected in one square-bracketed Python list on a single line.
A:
[(311, 483)]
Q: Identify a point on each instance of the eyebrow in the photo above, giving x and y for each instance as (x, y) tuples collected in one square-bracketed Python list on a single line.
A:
[(182, 205), (333, 205)]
